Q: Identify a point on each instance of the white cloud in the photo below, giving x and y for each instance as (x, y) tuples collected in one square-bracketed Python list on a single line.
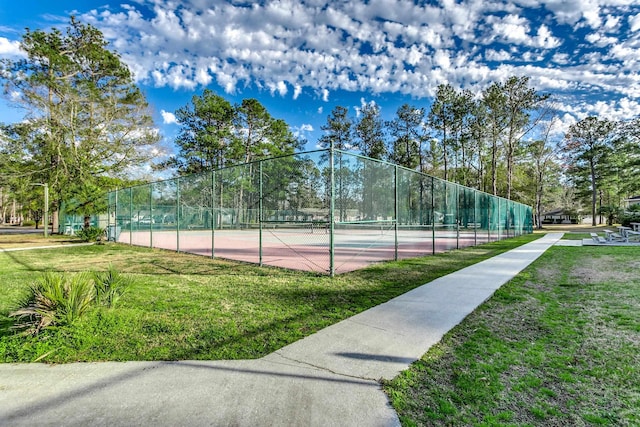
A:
[(287, 46), (168, 118), (634, 22), (10, 48)]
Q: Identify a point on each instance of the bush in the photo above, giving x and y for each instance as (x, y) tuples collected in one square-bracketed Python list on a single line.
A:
[(90, 234), (628, 217), (110, 286), (54, 300), (28, 223), (58, 300)]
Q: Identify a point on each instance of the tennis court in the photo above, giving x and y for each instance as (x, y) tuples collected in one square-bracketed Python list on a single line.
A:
[(308, 248), (324, 211)]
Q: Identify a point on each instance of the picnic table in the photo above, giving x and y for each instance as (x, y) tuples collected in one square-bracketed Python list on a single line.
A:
[(629, 234), (635, 226), (612, 236)]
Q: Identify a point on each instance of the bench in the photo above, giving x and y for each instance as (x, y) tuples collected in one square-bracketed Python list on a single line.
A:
[(598, 239), (612, 236)]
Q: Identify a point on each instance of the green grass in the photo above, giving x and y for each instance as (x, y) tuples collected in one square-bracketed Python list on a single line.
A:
[(182, 306), (558, 345)]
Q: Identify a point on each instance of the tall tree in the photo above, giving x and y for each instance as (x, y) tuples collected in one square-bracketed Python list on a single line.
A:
[(587, 144), (441, 118), (493, 107), (338, 133), (521, 101), (85, 116), (542, 170), (258, 134), (407, 132), (205, 135), (369, 132), (369, 138)]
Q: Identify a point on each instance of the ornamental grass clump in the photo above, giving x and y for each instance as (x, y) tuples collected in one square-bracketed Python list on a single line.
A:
[(59, 299), (54, 300), (110, 285)]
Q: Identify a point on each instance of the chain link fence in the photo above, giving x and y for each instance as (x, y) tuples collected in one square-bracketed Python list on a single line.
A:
[(323, 211)]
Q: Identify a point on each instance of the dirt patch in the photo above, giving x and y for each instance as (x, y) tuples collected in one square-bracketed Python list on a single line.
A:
[(601, 269)]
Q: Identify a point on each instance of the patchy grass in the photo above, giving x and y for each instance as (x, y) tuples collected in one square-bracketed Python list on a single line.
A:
[(182, 306), (14, 240), (558, 345)]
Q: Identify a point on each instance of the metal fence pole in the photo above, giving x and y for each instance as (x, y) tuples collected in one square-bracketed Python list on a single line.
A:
[(151, 214), (177, 214), (475, 220), (395, 203), (331, 208), (433, 217), (260, 217), (131, 215), (214, 217)]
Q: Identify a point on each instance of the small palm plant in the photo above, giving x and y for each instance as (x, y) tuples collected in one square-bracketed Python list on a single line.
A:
[(54, 300), (110, 286)]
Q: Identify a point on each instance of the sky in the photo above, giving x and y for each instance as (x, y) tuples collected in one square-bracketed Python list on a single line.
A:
[(302, 58)]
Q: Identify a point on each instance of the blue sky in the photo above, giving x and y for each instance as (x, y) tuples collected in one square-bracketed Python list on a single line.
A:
[(302, 58)]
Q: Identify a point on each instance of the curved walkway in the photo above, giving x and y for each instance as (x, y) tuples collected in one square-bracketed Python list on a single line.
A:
[(330, 378)]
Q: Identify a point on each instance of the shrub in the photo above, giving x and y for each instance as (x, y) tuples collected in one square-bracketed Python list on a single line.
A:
[(54, 300), (628, 217), (110, 286), (58, 300), (28, 223), (90, 234)]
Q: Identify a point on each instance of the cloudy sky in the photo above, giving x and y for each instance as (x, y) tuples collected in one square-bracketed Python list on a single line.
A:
[(301, 58)]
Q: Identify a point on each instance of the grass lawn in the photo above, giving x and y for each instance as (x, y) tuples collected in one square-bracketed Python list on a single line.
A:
[(558, 345), (183, 306)]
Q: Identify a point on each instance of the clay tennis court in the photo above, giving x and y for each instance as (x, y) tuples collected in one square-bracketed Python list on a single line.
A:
[(305, 248)]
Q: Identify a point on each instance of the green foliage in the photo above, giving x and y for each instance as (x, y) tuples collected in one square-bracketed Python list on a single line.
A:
[(54, 300), (90, 234), (110, 286), (628, 217), (86, 117), (61, 299), (611, 212)]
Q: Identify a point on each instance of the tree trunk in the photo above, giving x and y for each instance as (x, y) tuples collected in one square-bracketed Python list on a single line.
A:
[(594, 194)]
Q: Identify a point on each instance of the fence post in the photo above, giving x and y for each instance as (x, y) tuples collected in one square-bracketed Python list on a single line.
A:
[(213, 213), (395, 208), (433, 216), (131, 215), (260, 207), (151, 214), (177, 214), (331, 209)]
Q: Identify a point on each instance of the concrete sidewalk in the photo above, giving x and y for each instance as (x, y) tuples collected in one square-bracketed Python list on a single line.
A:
[(327, 379)]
